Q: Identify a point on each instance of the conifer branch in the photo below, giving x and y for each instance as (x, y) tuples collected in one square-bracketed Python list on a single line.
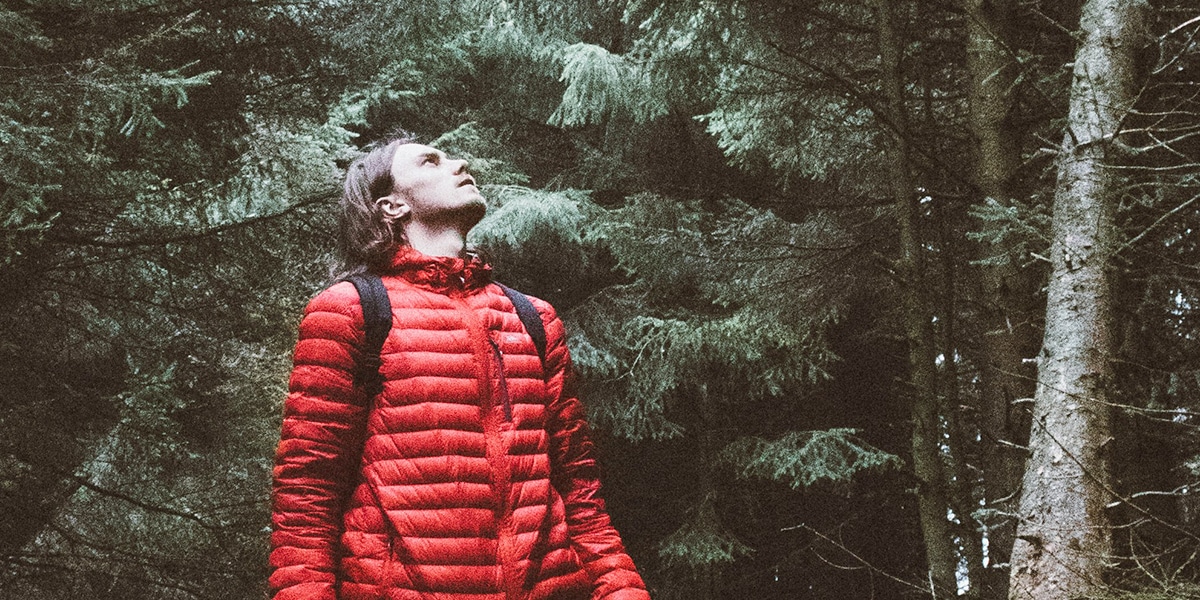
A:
[(191, 236), (864, 562)]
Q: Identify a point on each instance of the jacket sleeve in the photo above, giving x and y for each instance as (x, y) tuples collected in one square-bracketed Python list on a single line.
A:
[(319, 449), (576, 475)]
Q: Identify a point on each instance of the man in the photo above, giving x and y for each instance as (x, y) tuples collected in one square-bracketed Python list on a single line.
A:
[(471, 475)]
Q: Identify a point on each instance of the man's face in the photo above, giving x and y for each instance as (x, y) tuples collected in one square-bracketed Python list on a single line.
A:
[(435, 187)]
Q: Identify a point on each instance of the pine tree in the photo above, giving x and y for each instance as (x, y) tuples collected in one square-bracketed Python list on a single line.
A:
[(1064, 538)]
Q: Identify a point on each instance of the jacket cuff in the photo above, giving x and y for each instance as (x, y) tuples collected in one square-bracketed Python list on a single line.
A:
[(627, 594), (313, 590), (616, 578)]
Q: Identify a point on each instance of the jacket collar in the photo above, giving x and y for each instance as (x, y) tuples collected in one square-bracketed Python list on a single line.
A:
[(440, 273)]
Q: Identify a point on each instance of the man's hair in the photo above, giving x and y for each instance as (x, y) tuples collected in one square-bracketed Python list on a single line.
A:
[(366, 242)]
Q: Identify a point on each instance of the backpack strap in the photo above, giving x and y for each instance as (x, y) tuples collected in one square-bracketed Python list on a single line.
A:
[(377, 322), (530, 318)]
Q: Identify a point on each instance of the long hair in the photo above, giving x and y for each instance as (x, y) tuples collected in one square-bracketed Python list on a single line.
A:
[(365, 241)]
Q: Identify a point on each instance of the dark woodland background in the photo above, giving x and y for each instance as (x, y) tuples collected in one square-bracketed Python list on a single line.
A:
[(802, 248)]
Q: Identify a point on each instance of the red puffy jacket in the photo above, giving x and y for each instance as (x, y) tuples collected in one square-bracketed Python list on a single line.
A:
[(470, 477)]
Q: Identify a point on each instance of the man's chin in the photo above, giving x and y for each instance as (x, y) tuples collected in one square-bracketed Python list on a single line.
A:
[(472, 212)]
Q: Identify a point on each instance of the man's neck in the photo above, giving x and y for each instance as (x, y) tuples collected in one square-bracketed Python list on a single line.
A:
[(439, 241)]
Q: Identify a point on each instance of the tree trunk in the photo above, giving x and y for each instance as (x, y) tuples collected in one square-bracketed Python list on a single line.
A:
[(961, 430), (1008, 293), (928, 465), (1064, 536)]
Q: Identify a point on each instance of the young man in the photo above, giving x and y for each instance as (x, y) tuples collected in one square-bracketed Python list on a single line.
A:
[(471, 475)]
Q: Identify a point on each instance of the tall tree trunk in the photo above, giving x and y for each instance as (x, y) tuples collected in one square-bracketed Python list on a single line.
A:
[(1064, 536), (927, 460), (961, 430), (1008, 292)]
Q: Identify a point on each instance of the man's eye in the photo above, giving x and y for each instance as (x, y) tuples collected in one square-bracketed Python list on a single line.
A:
[(430, 160)]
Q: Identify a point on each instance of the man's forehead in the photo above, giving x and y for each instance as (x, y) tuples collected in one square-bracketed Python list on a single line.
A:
[(415, 150)]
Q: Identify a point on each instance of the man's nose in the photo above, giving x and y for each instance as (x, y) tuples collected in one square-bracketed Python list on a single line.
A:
[(462, 167)]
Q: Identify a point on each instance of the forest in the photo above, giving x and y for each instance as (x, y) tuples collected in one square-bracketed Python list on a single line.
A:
[(870, 299)]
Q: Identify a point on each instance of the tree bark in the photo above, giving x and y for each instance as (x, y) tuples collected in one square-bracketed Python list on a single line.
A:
[(1064, 537), (928, 466), (1008, 293)]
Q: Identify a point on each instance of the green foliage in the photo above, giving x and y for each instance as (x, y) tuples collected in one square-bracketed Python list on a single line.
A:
[(484, 148), (391, 85), (144, 517), (518, 215), (775, 103), (726, 292), (21, 34), (1192, 465), (686, 45), (701, 542), (600, 86), (50, 125), (281, 163), (1019, 231), (146, 155), (27, 180), (803, 458), (165, 88), (512, 35), (797, 135), (640, 354)]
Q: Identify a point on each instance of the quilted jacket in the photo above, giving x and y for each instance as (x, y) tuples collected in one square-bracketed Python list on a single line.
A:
[(471, 476)]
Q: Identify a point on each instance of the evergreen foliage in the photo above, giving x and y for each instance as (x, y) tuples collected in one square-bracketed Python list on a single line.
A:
[(802, 458), (603, 86), (700, 543), (718, 306), (1017, 231)]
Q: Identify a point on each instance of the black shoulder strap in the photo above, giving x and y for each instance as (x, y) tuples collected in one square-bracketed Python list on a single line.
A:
[(377, 322), (529, 318)]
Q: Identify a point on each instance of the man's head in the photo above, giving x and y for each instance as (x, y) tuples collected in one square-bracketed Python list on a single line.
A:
[(431, 189), (402, 184)]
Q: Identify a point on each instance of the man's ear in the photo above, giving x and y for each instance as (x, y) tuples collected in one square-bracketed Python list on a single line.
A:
[(393, 208)]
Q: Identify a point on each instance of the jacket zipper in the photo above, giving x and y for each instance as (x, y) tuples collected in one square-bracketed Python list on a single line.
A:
[(505, 536), (505, 402), (385, 578)]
